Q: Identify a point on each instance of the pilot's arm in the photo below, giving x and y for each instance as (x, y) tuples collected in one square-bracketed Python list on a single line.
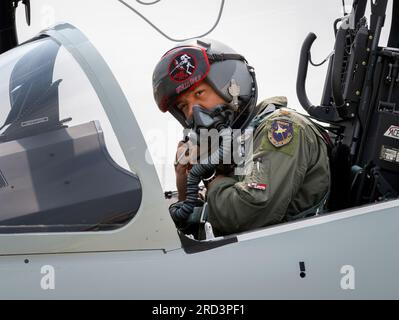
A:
[(289, 178)]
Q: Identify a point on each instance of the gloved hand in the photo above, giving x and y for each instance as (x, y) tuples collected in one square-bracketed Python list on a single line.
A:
[(192, 222)]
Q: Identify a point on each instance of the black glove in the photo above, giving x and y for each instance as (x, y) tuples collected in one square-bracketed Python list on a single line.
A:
[(192, 222)]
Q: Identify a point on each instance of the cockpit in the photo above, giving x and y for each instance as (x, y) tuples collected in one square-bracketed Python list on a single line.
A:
[(70, 146)]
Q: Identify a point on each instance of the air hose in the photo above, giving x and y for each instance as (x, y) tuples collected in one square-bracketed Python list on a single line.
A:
[(202, 171)]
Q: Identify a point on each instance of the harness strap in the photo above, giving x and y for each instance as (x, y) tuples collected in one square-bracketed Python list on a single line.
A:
[(393, 41), (218, 57), (259, 118)]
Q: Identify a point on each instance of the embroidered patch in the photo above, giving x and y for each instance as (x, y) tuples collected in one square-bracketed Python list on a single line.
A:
[(257, 186), (280, 133), (182, 67)]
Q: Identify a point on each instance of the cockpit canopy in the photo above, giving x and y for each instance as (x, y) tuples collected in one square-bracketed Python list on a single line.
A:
[(62, 168)]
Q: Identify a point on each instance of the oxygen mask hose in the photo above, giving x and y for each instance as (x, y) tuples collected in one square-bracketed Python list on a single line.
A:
[(181, 213)]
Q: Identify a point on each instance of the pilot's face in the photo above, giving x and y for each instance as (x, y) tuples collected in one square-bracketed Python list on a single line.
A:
[(202, 95)]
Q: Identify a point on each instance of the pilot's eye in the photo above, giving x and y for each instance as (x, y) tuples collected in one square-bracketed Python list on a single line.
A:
[(199, 92)]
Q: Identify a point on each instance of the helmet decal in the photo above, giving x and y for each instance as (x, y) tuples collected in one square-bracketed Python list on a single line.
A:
[(179, 69), (190, 83), (182, 67)]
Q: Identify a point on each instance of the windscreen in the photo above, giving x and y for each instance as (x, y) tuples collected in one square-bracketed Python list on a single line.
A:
[(62, 168)]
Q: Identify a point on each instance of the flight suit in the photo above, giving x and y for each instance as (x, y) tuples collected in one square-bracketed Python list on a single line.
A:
[(290, 174)]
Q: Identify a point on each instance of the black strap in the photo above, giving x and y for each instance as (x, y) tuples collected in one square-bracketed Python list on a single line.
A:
[(217, 57), (360, 9), (323, 132), (394, 35)]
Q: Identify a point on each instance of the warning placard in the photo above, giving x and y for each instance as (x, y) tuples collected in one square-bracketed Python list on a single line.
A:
[(389, 154)]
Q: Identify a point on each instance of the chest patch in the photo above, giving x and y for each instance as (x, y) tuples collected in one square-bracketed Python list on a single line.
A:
[(280, 133)]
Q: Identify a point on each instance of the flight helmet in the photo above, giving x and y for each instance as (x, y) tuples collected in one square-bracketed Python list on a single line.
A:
[(227, 72)]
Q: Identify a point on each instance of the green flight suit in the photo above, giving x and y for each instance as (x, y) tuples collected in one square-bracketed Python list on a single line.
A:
[(290, 174)]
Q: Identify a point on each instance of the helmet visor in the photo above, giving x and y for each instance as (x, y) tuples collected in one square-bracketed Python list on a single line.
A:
[(179, 70)]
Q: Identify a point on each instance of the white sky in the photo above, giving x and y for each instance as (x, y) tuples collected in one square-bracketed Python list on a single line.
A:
[(268, 33)]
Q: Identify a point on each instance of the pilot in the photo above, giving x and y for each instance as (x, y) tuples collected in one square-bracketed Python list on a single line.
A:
[(206, 84)]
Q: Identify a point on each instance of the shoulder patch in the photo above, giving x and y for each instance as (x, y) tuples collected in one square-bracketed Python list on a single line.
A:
[(280, 133)]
